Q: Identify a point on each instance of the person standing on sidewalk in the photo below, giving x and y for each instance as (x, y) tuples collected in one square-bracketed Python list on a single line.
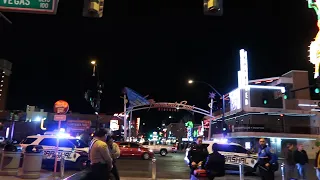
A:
[(317, 164), (289, 160), (99, 155), (301, 158), (267, 161), (115, 154)]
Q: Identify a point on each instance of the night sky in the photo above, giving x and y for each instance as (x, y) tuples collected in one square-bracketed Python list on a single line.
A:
[(153, 47)]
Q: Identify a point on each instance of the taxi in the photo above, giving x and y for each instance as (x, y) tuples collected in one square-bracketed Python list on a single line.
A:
[(234, 155)]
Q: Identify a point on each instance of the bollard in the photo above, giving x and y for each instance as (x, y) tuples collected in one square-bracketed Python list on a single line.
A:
[(154, 168), (241, 171), (62, 163), (283, 171)]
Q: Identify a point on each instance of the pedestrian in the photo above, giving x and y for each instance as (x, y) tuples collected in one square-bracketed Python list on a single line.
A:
[(289, 160), (267, 161), (301, 159), (317, 164), (115, 154), (215, 164), (99, 155)]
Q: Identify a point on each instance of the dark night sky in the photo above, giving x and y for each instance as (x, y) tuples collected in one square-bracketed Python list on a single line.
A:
[(152, 48)]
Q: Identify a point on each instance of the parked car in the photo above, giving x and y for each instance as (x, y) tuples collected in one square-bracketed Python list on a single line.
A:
[(130, 149), (163, 150)]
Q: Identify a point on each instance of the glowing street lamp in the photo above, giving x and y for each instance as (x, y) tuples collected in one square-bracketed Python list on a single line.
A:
[(94, 63), (212, 96)]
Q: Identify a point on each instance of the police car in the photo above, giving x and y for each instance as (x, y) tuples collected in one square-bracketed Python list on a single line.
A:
[(234, 155), (74, 150)]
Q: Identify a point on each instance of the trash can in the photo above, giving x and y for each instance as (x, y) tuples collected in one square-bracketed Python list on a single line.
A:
[(32, 161), (10, 159)]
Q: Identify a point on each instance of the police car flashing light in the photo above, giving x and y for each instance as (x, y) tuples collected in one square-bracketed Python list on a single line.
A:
[(234, 154), (74, 151)]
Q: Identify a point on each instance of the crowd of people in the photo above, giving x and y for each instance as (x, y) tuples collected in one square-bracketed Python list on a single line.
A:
[(296, 161)]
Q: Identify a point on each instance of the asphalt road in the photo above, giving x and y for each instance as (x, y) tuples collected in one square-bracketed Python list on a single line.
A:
[(172, 166)]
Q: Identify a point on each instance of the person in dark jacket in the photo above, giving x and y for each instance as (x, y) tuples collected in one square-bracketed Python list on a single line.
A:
[(215, 164), (197, 155), (290, 163), (301, 158)]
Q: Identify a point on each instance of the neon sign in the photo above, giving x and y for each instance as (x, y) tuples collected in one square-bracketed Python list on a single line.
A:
[(243, 75), (181, 105), (315, 45)]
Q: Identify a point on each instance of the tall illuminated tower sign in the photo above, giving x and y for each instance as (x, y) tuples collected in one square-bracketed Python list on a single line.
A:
[(315, 45)]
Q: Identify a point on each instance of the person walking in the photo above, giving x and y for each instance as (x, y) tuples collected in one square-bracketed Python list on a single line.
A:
[(317, 164), (267, 161), (301, 159), (290, 163), (115, 154), (99, 155)]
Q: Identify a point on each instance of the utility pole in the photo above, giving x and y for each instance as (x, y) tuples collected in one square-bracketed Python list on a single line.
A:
[(95, 100)]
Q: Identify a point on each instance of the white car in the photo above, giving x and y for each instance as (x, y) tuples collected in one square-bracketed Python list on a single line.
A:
[(234, 155), (74, 150), (163, 150)]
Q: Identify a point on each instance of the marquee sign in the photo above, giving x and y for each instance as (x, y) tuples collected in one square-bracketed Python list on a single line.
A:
[(176, 105)]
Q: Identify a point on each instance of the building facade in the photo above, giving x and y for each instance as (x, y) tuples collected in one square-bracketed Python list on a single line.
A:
[(277, 108)]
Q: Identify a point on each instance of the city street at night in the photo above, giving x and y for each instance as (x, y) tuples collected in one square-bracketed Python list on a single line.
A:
[(171, 166)]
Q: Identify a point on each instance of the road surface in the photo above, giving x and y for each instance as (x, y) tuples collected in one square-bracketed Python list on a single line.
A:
[(171, 166)]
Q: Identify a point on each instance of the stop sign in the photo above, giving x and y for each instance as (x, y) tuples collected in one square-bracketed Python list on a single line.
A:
[(61, 107)]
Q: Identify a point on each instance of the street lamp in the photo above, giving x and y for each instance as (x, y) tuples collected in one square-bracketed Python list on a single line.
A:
[(94, 63), (95, 102), (211, 104)]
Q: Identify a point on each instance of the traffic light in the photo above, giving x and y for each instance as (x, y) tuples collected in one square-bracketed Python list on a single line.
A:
[(93, 8), (212, 7), (285, 96), (265, 101), (317, 90)]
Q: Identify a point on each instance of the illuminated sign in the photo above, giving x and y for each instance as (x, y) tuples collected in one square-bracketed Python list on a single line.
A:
[(176, 105), (78, 125), (119, 115), (243, 75), (315, 45), (235, 99), (138, 126), (114, 125)]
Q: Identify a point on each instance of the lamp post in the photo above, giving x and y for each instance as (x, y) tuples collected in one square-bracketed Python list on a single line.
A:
[(211, 104), (96, 104)]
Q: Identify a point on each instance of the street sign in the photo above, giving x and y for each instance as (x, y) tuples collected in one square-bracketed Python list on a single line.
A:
[(61, 106), (60, 117), (30, 6)]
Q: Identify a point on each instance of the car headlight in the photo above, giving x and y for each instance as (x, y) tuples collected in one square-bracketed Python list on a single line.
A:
[(150, 150)]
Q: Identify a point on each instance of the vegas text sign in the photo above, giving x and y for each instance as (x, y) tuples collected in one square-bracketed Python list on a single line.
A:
[(29, 6)]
